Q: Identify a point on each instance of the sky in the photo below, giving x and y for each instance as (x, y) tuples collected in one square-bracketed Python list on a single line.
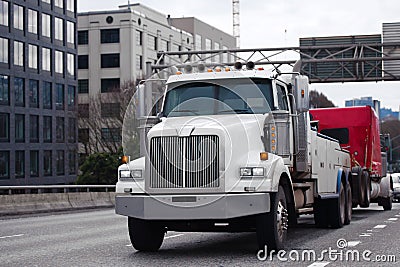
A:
[(281, 23)]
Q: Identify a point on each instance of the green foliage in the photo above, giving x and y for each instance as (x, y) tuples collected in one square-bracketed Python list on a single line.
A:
[(319, 100), (99, 169)]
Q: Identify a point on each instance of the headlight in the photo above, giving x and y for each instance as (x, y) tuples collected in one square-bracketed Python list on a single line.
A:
[(258, 171), (137, 174), (124, 174)]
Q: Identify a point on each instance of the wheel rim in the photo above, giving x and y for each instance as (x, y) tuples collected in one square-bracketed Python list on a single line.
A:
[(342, 204), (282, 220)]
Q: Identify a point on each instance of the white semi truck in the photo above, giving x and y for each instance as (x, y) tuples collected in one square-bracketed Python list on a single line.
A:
[(234, 150)]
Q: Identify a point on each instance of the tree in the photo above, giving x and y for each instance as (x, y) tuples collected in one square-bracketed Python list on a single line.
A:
[(393, 128), (319, 100)]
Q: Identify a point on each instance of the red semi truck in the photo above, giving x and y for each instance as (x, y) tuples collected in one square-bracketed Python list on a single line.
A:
[(357, 130)]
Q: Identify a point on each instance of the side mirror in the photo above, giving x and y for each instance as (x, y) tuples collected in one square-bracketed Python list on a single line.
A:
[(301, 93)]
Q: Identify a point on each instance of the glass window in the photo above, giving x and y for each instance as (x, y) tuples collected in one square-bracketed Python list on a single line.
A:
[(70, 32), (72, 162), (60, 163), (59, 29), (110, 61), (110, 85), (47, 163), (216, 47), (110, 36), (47, 129), (46, 25), (19, 89), (46, 59), (197, 44), (152, 42), (139, 62), (139, 38), (34, 128), (33, 56), (59, 96), (83, 86), (71, 97), (34, 163), (83, 110), (33, 93), (47, 95), (18, 17), (59, 3), (111, 134), (46, 1), (83, 135), (282, 99), (59, 68), (32, 21), (71, 64), (4, 90), (71, 5), (83, 62), (340, 134), (71, 130), (19, 128), (5, 127), (18, 53), (164, 45), (83, 37), (4, 50), (4, 165), (4, 13), (19, 164), (60, 130), (109, 110)]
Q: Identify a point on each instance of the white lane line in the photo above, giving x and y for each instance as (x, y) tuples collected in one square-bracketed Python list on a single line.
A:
[(397, 215), (319, 264), (10, 236), (351, 244), (172, 236), (393, 219), (167, 237), (365, 235), (380, 226)]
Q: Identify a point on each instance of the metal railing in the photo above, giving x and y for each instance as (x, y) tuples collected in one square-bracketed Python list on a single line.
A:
[(39, 189)]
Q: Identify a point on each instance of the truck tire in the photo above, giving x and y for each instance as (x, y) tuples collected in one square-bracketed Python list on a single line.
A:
[(337, 211), (272, 226), (355, 181), (321, 213), (349, 204), (385, 202), (145, 235), (365, 190)]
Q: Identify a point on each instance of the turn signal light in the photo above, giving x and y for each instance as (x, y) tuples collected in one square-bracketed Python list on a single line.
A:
[(125, 159), (263, 156)]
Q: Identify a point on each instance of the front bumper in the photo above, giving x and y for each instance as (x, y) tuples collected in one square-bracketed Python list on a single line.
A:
[(192, 207)]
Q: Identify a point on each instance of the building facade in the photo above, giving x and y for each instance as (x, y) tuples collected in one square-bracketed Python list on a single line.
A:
[(113, 48), (38, 99)]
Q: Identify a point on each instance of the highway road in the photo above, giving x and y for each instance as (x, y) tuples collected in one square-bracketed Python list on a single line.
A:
[(99, 238)]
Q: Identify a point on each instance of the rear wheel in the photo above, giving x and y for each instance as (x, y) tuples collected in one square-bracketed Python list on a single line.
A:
[(365, 190), (272, 226), (349, 204), (337, 213), (145, 235), (386, 203)]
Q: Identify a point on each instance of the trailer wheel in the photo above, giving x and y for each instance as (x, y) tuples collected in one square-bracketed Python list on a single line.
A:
[(365, 190), (349, 204), (272, 226), (385, 202), (337, 213), (145, 235)]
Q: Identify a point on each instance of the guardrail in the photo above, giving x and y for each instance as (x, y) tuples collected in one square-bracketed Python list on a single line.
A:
[(41, 189)]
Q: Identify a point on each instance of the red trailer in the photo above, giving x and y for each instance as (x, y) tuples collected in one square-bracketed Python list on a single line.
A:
[(357, 130)]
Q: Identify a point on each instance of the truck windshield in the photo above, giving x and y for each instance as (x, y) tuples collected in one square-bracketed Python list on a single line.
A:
[(240, 96)]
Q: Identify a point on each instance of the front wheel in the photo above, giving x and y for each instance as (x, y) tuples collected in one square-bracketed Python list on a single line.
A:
[(337, 214), (145, 235), (272, 226)]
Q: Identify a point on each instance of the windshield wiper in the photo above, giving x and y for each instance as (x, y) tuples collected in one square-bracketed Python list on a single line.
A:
[(242, 111)]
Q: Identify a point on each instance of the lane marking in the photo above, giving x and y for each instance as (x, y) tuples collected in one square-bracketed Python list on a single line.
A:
[(10, 236), (319, 264), (393, 219), (365, 235), (351, 244), (380, 226), (369, 230), (167, 237), (172, 236)]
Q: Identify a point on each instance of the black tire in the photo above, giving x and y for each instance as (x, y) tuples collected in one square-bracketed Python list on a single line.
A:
[(366, 190), (337, 212), (349, 204), (355, 181), (321, 217), (387, 203), (145, 235), (272, 226)]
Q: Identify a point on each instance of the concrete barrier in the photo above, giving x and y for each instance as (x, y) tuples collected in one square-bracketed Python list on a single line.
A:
[(38, 203)]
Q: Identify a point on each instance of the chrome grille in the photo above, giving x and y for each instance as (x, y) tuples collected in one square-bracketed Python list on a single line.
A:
[(184, 162)]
